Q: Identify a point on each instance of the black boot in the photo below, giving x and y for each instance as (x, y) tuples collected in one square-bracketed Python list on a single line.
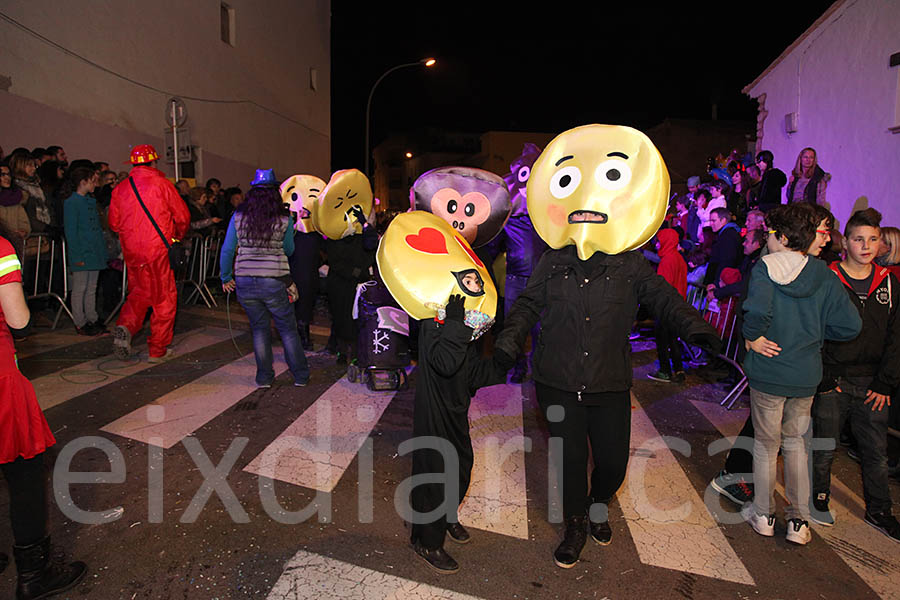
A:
[(4, 560), (601, 533), (568, 552), (437, 559), (41, 576), (303, 330)]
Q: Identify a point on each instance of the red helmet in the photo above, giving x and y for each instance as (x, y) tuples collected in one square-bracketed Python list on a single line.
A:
[(143, 154)]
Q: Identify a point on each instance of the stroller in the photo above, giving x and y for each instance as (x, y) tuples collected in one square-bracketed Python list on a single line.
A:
[(383, 342)]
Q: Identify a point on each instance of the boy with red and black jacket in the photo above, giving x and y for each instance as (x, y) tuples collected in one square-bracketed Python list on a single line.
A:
[(859, 376), (673, 269)]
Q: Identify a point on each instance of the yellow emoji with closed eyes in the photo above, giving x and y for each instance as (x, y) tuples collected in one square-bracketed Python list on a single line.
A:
[(345, 200), (601, 188)]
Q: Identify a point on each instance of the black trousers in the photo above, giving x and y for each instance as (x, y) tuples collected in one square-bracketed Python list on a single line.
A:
[(668, 350), (27, 498), (605, 421), (740, 460)]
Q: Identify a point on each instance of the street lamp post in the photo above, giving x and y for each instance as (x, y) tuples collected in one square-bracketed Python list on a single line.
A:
[(428, 62)]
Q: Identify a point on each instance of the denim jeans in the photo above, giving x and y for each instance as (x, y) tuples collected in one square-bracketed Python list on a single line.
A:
[(261, 298), (830, 412), (785, 422)]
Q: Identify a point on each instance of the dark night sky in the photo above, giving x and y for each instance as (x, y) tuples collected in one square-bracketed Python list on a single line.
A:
[(548, 68)]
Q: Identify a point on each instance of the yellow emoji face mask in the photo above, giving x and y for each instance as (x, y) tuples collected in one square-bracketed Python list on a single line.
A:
[(422, 261), (347, 193), (300, 193), (603, 188)]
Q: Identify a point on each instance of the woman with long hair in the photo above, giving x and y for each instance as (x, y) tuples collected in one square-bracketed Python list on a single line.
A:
[(808, 181), (12, 210), (738, 196), (254, 263), (40, 212), (889, 253), (24, 437)]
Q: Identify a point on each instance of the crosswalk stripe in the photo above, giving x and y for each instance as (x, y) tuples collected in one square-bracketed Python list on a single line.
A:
[(497, 500), (669, 523), (869, 553), (172, 417), (46, 341), (313, 576), (53, 389), (316, 449)]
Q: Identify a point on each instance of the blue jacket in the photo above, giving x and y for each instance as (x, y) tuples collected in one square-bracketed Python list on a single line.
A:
[(85, 246), (797, 303)]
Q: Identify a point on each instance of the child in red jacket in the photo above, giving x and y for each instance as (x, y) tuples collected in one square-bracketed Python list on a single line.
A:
[(673, 269)]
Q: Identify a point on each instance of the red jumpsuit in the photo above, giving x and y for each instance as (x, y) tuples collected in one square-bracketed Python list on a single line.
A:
[(151, 283), (23, 429)]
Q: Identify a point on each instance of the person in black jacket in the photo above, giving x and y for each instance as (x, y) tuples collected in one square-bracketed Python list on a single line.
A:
[(726, 250), (771, 183), (586, 194), (859, 377)]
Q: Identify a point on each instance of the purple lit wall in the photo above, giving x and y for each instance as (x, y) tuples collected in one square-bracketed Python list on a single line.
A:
[(837, 81)]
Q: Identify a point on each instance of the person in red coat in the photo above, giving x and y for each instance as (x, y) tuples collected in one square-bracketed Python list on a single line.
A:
[(24, 437), (673, 269), (151, 283)]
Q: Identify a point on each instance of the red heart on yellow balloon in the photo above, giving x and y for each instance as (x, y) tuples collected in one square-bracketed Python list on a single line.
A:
[(428, 240)]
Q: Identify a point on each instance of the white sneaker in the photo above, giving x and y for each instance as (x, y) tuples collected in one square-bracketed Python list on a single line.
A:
[(761, 524), (798, 532)]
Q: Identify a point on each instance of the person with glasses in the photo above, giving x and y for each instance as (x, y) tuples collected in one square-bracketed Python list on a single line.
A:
[(771, 183)]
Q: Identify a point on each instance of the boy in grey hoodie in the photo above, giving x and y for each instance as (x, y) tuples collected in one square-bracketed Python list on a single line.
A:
[(793, 305)]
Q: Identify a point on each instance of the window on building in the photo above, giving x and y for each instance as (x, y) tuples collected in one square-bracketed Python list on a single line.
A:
[(226, 15)]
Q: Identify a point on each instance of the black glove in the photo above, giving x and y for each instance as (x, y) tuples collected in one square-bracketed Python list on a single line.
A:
[(711, 342), (504, 361), (456, 308), (359, 215)]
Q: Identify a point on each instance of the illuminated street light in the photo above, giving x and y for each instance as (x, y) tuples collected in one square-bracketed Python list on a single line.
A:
[(409, 155), (427, 62)]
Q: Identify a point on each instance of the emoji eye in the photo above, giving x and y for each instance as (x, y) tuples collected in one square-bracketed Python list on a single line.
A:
[(565, 182), (523, 174), (452, 206), (294, 196), (612, 174), (470, 209)]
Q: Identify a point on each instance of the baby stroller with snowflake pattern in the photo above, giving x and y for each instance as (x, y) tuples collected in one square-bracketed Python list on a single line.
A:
[(383, 342)]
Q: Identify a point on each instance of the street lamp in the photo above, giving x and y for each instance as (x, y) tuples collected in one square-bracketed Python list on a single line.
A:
[(428, 62)]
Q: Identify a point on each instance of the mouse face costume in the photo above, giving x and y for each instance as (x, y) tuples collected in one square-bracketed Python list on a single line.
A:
[(473, 201), (422, 261), (300, 193), (600, 188)]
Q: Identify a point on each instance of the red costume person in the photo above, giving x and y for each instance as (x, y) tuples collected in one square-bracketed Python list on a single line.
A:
[(151, 283)]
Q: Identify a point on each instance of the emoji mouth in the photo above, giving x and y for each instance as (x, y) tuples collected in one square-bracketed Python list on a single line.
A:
[(587, 216), (348, 214), (304, 213)]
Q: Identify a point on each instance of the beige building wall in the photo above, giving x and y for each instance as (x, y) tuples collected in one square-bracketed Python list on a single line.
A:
[(175, 48)]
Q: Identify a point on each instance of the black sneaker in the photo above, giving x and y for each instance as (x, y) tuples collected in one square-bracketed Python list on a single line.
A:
[(458, 533), (886, 523), (660, 376), (569, 550), (437, 559), (819, 512), (733, 487), (854, 454), (601, 533)]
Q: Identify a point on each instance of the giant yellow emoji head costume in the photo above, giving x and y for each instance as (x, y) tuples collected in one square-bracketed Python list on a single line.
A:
[(300, 193), (603, 188), (333, 214), (423, 260)]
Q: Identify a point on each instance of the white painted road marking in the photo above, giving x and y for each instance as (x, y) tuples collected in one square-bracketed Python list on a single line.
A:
[(169, 418), (497, 500), (316, 577), (669, 523), (52, 389), (316, 449)]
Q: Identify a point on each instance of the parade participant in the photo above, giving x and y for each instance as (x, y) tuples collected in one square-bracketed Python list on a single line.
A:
[(151, 283), (261, 235), (860, 376), (300, 193), (423, 261), (596, 193), (524, 246), (793, 304), (341, 215), (24, 438)]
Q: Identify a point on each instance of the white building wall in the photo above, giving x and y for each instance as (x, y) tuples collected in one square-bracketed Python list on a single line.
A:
[(839, 82), (175, 47)]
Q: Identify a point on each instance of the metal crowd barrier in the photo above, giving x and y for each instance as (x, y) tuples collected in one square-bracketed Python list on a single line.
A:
[(35, 260), (204, 265)]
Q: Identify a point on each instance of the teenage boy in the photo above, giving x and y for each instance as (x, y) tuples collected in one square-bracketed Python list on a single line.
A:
[(792, 306), (859, 376)]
